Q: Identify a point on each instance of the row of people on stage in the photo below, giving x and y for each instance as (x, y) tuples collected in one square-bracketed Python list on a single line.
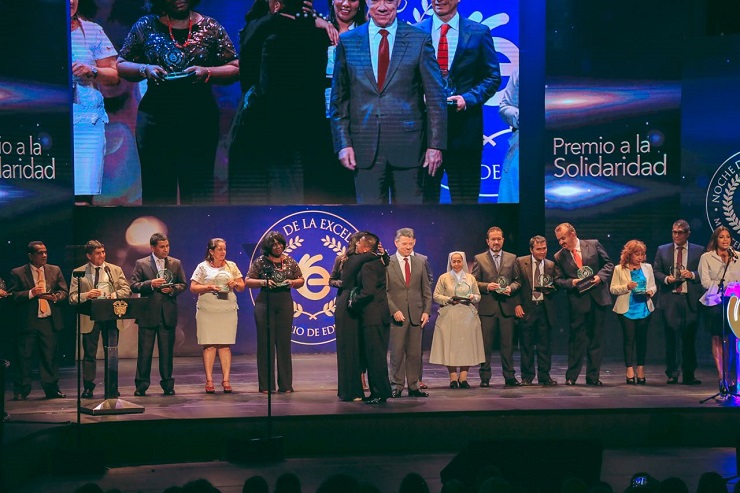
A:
[(428, 96)]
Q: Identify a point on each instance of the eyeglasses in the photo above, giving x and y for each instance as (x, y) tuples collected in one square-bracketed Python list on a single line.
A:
[(679, 232)]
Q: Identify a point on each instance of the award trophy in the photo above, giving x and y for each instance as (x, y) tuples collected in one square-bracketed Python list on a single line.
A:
[(106, 289), (222, 281), (544, 284), (462, 292), (675, 272), (278, 277), (167, 275), (176, 61), (586, 276), (641, 288), (449, 90), (502, 283)]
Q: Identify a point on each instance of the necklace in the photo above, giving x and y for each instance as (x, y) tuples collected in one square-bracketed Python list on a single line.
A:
[(188, 40)]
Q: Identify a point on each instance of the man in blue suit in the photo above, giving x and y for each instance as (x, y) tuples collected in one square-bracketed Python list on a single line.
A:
[(467, 59), (388, 110)]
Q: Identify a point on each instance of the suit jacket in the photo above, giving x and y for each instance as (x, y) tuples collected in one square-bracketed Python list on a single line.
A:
[(85, 284), (476, 77), (661, 269), (594, 256), (484, 271), (395, 122), (525, 275), (373, 298), (414, 300), (163, 308), (21, 282)]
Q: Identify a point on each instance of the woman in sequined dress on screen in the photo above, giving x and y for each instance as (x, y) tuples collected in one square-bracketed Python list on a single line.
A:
[(180, 53)]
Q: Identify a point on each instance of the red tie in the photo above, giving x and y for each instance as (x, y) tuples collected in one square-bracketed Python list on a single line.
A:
[(679, 261), (443, 50), (577, 258), (383, 58), (407, 272)]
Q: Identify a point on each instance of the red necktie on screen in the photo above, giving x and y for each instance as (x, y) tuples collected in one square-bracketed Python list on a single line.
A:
[(443, 50), (577, 258), (407, 271), (41, 282), (679, 261), (383, 58)]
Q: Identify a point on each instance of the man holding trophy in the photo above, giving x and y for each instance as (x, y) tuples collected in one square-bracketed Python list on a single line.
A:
[(583, 269), (160, 278), (536, 311), (99, 280)]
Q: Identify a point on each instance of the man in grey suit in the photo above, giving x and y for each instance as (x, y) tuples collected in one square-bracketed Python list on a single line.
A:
[(101, 280), (495, 271), (678, 301), (410, 303), (388, 110)]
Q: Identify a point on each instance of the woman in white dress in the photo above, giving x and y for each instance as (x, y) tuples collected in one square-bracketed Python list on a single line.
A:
[(458, 340), (215, 281)]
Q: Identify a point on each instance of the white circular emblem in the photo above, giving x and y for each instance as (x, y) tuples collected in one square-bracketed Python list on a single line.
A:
[(721, 194), (314, 239)]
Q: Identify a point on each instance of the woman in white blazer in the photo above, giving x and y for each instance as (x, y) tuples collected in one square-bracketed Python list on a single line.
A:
[(634, 284)]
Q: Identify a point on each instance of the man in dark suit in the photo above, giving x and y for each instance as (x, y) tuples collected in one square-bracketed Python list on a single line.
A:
[(467, 59), (100, 280), (495, 272), (388, 110), (375, 320), (678, 299), (148, 279), (587, 308), (36, 288), (409, 303), (536, 311)]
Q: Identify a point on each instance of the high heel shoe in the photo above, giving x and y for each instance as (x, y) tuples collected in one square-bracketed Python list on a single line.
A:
[(464, 384), (630, 380), (227, 386), (210, 389), (641, 381), (454, 384)]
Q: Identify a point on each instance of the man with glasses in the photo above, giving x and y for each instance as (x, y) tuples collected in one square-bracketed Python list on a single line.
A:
[(676, 273)]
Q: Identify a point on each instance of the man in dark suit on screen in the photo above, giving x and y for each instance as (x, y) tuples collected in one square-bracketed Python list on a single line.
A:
[(495, 272), (577, 258), (676, 268), (37, 288), (468, 62), (536, 311), (149, 279), (388, 111)]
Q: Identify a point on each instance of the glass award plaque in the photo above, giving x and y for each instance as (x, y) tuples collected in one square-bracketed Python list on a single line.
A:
[(544, 284), (502, 282), (675, 272), (449, 90), (641, 287), (106, 289), (175, 61), (462, 291), (278, 277), (167, 275), (222, 281), (586, 276)]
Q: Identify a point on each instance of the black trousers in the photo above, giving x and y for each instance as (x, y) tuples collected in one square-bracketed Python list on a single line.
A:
[(109, 331), (279, 318), (382, 182), (534, 331), (349, 385), (165, 338), (635, 339), (375, 342), (503, 326), (584, 342), (43, 340), (463, 177), (679, 325)]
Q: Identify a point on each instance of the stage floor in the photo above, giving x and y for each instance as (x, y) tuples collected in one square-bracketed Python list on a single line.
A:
[(315, 384)]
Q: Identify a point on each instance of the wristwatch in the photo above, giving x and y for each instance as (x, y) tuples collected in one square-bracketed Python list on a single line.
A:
[(94, 72)]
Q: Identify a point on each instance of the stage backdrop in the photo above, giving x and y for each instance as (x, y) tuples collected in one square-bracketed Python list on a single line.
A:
[(315, 237)]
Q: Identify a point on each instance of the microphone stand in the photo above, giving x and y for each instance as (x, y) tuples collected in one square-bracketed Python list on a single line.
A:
[(79, 275), (724, 391)]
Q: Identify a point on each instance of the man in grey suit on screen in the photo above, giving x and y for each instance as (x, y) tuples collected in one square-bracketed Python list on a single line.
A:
[(388, 109)]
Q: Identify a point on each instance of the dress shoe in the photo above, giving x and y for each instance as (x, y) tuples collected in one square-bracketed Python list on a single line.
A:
[(526, 382), (641, 381), (375, 400), (169, 392), (395, 393), (464, 384), (484, 383), (56, 395), (594, 383), (87, 394), (454, 384), (139, 393), (227, 387), (418, 393), (20, 397), (570, 381), (512, 382), (630, 380), (672, 381), (422, 385), (548, 382), (691, 381)]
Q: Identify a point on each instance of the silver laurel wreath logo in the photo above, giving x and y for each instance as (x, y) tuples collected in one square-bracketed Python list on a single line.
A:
[(314, 239), (720, 201)]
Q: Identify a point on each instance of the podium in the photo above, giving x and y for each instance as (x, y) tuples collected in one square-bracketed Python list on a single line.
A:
[(112, 310)]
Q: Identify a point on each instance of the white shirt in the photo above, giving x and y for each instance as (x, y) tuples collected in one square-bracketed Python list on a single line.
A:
[(452, 36), (375, 37), (684, 262), (159, 262)]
